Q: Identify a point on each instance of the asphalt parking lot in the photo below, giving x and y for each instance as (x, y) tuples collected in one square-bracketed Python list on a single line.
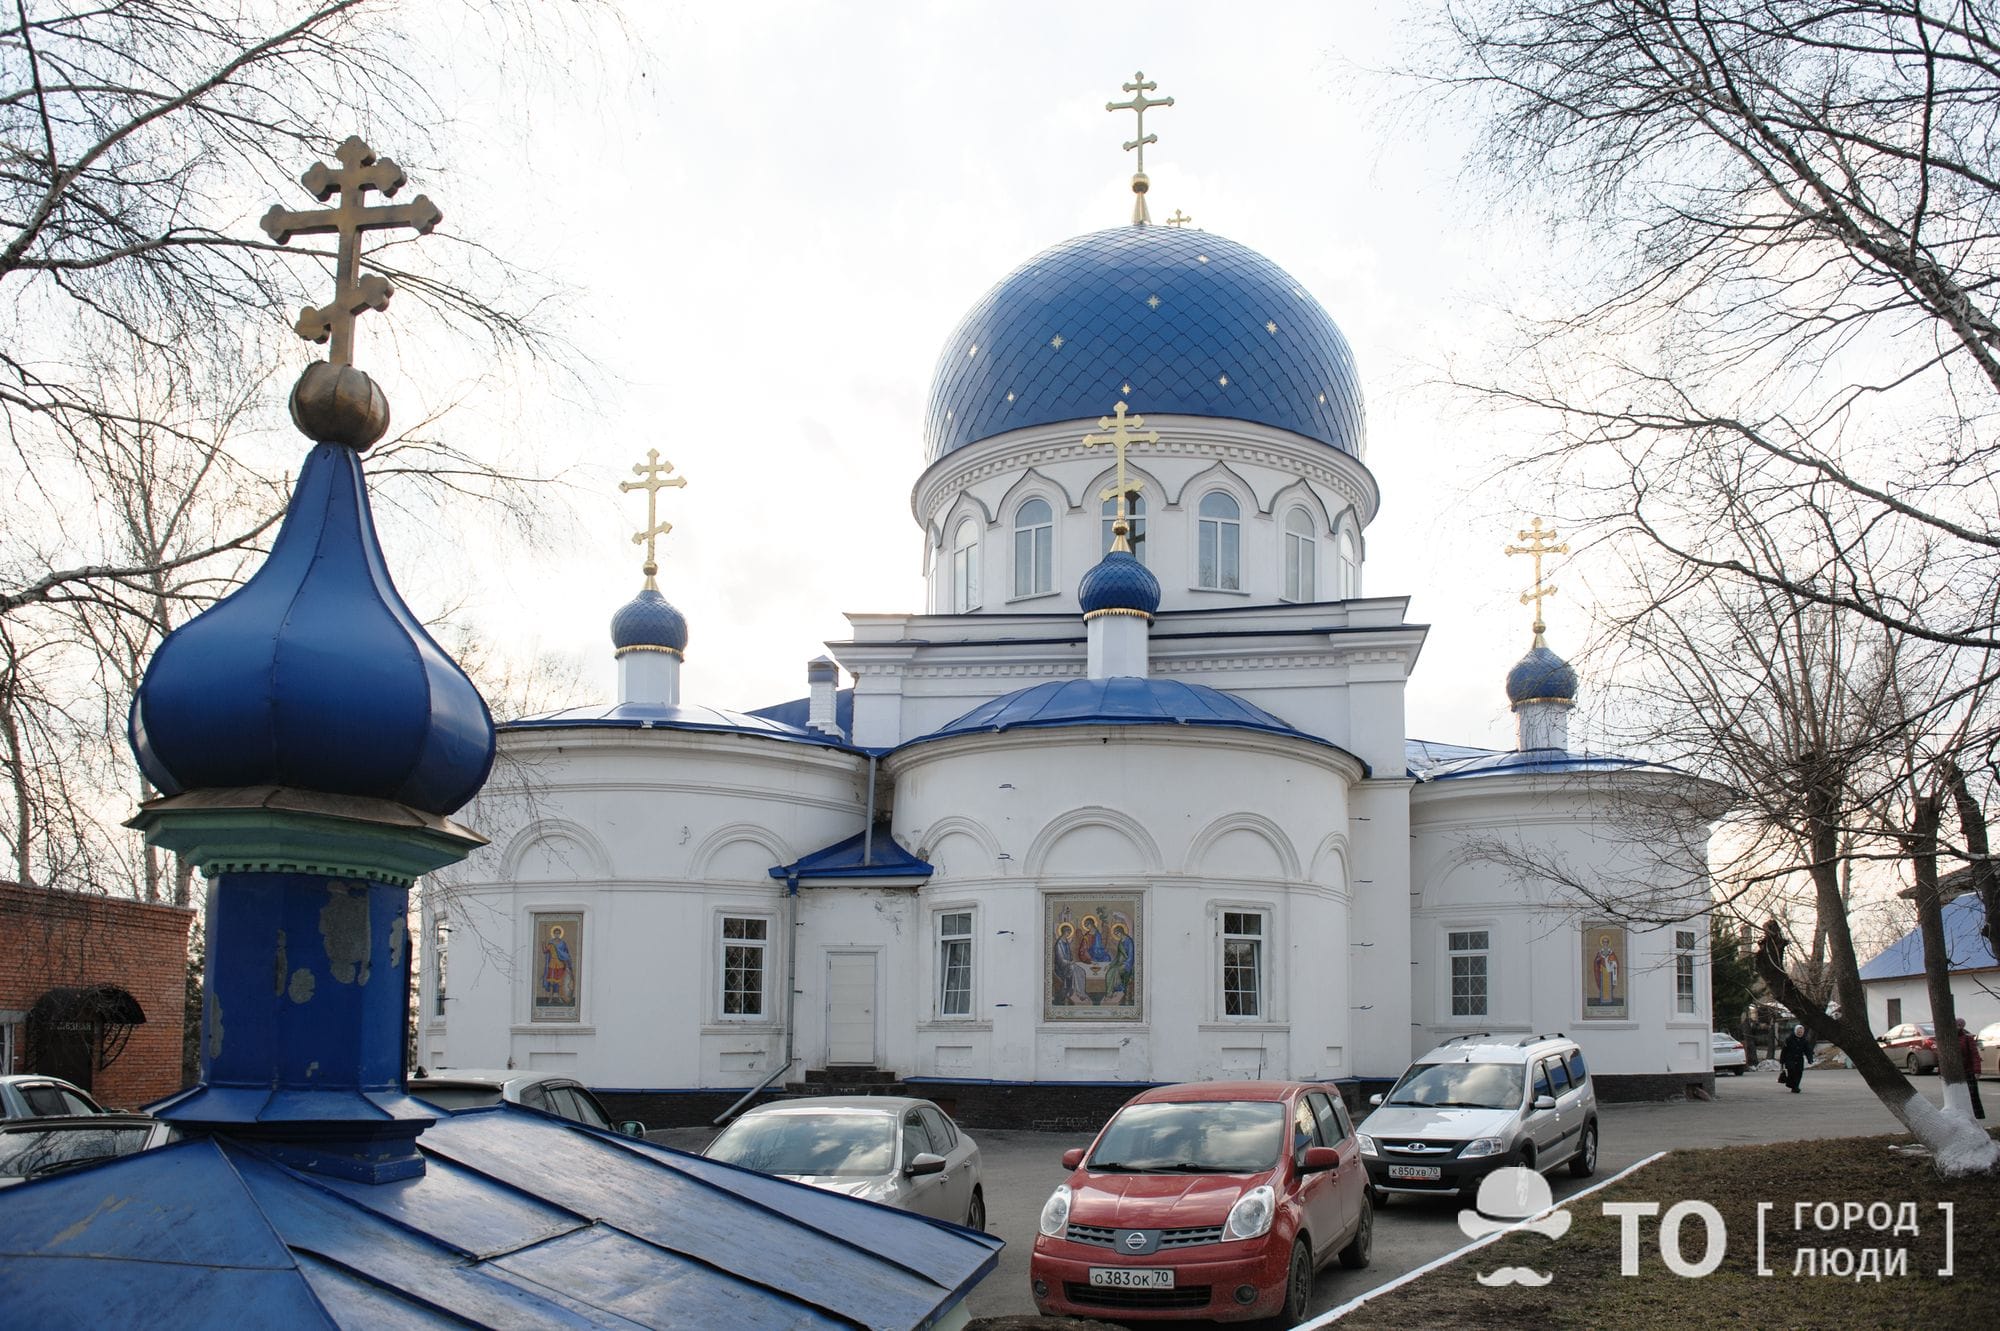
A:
[(1021, 1168)]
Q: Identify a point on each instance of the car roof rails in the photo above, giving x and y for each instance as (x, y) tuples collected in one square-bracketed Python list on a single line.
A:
[(1467, 1038), (1527, 1040)]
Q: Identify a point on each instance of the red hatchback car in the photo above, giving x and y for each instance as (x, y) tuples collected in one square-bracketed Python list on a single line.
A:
[(1216, 1200)]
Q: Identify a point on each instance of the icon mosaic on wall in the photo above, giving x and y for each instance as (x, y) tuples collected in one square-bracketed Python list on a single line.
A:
[(1604, 977), (1093, 941), (558, 965)]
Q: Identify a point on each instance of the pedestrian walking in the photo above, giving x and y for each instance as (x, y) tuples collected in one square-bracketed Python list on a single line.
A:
[(1968, 1052), (1793, 1058)]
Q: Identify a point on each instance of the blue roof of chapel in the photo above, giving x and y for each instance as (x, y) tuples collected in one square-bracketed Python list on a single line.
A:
[(1963, 944), (1195, 323)]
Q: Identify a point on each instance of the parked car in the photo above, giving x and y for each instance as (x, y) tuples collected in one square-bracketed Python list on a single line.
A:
[(1727, 1053), (472, 1088), (883, 1148), (1913, 1044), (32, 1095), (1477, 1103), (1218, 1200), (32, 1148), (1989, 1050)]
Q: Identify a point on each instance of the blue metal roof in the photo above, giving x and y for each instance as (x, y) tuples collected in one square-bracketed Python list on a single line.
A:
[(314, 674), (1530, 762), (519, 1219), (647, 620), (1968, 949), (1197, 325), (843, 860), (662, 716), (1121, 701)]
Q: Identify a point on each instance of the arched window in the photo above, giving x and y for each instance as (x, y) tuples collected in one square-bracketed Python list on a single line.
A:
[(1301, 556), (1034, 549), (1350, 565), (1135, 517), (1220, 560), (965, 567)]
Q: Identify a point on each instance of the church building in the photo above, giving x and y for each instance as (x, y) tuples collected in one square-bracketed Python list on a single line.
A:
[(1132, 799)]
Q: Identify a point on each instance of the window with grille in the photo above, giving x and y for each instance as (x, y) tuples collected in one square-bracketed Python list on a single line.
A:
[(1684, 996), (745, 940), (1242, 964), (955, 964), (1469, 953)]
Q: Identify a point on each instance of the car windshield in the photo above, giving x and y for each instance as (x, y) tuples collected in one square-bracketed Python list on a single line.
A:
[(1459, 1086), (49, 1150), (853, 1145), (1209, 1137), (457, 1097)]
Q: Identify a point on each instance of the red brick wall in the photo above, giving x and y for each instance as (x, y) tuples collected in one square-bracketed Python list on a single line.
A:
[(52, 940)]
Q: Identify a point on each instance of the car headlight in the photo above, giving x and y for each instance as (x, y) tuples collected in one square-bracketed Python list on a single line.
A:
[(1055, 1212), (1366, 1142), (1481, 1146), (1252, 1214)]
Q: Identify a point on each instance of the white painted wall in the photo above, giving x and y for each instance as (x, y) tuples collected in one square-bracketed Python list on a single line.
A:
[(1974, 994)]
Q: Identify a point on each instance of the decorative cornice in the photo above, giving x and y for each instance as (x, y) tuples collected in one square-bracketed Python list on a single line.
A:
[(1117, 610), (674, 652)]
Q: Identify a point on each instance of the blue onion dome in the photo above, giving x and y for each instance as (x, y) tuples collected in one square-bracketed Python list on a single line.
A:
[(314, 674), (1119, 583), (648, 623), (1541, 676), (1184, 321)]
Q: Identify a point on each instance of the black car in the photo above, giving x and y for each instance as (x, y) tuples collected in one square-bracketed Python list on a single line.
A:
[(32, 1148)]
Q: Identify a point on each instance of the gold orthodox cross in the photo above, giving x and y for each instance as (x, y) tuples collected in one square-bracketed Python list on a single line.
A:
[(1179, 219), (360, 171), (654, 476), (1140, 103), (1540, 542), (1121, 434)]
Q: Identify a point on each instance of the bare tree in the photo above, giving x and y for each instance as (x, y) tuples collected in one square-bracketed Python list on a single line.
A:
[(145, 342)]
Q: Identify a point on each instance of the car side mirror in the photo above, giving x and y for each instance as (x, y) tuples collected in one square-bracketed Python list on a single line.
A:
[(1545, 1102), (1881, 1039), (924, 1162), (1375, 1100), (1318, 1159), (632, 1127), (1073, 1157)]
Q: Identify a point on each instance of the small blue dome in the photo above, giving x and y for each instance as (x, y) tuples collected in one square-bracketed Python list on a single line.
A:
[(1119, 582), (1541, 676), (314, 674), (1197, 325), (648, 621)]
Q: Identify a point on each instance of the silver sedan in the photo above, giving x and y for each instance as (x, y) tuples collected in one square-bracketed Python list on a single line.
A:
[(899, 1152)]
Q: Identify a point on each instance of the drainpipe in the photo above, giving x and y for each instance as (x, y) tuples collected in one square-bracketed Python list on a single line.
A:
[(868, 825), (791, 1001)]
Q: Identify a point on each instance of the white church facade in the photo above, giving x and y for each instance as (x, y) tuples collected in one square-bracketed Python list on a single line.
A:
[(1132, 801)]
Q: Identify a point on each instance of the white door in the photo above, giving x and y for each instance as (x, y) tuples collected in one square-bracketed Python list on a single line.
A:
[(850, 1009)]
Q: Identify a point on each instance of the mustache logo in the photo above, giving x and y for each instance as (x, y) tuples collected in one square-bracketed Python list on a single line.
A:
[(1515, 1275)]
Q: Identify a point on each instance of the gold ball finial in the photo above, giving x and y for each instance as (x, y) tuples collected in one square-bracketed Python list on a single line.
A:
[(1140, 184), (338, 404)]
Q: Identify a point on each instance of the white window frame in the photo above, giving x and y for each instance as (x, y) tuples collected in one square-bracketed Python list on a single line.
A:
[(943, 943), (1257, 941), (440, 942), (1135, 518), (1350, 564), (1041, 549), (765, 951), (1301, 556), (1210, 530), (1482, 949), (1687, 998), (965, 567)]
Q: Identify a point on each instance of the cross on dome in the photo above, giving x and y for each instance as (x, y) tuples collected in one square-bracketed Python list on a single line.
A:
[(1121, 434), (654, 476), (1179, 220), (360, 171), (1140, 103), (1540, 542)]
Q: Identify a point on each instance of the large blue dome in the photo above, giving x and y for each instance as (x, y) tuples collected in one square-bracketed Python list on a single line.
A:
[(1197, 325)]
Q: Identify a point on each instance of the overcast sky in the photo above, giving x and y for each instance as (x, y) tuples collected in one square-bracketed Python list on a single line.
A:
[(776, 213)]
